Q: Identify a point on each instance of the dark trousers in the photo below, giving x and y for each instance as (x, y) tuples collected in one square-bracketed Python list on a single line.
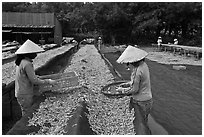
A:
[(142, 110), (25, 102)]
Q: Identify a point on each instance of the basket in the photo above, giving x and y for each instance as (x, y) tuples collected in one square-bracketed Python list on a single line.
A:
[(59, 75), (110, 90), (65, 83)]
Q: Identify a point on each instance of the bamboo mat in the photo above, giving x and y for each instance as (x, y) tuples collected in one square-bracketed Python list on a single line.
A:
[(65, 81)]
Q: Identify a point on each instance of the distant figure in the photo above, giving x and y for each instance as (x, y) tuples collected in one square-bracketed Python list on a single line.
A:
[(159, 42), (176, 41), (76, 44), (74, 41), (99, 43)]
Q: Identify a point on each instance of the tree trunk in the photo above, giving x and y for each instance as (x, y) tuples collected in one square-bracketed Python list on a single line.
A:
[(113, 39), (184, 30)]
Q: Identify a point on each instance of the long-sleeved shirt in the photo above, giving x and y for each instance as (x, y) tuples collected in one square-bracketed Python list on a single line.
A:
[(26, 78), (140, 81), (159, 41)]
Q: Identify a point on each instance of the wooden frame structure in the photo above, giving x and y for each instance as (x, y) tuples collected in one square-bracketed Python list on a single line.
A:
[(181, 49), (21, 26)]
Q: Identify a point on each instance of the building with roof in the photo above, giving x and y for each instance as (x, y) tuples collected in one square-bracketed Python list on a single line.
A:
[(37, 27)]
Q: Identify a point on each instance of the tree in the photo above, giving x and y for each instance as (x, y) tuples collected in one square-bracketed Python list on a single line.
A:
[(123, 22)]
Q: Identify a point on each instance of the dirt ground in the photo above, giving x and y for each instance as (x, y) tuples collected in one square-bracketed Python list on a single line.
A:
[(177, 94)]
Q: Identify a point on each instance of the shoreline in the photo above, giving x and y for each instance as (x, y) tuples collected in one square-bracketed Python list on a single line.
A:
[(170, 58)]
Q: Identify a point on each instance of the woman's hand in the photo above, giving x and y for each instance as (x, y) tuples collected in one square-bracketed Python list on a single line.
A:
[(125, 85), (52, 82), (119, 89)]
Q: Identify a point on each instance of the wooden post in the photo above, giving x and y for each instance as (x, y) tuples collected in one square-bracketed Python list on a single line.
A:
[(180, 51), (197, 55), (185, 53), (174, 50), (165, 48)]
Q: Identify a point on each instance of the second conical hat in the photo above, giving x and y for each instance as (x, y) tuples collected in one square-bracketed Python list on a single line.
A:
[(132, 54), (29, 47)]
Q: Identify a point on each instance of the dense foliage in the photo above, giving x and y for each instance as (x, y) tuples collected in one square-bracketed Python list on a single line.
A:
[(124, 22)]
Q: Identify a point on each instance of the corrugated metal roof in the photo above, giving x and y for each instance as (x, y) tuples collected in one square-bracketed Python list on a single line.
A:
[(18, 19), (6, 30)]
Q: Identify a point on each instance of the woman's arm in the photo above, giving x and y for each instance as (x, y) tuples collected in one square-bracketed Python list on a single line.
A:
[(32, 77), (135, 84)]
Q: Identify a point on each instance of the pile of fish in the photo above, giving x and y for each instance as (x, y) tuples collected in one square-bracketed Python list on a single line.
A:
[(106, 116), (53, 114)]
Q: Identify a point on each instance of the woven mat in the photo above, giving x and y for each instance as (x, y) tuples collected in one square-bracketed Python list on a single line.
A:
[(63, 83)]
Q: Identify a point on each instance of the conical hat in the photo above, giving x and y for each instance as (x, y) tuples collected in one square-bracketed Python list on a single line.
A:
[(29, 47), (132, 54)]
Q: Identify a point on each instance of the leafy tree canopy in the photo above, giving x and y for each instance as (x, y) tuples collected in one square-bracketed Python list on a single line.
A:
[(124, 22)]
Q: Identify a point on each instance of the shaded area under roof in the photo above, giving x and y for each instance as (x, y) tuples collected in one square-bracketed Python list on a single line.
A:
[(34, 20), (28, 26)]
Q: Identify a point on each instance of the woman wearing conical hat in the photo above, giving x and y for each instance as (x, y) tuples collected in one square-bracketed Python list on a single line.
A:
[(25, 75), (99, 43), (176, 41), (159, 42), (140, 92)]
